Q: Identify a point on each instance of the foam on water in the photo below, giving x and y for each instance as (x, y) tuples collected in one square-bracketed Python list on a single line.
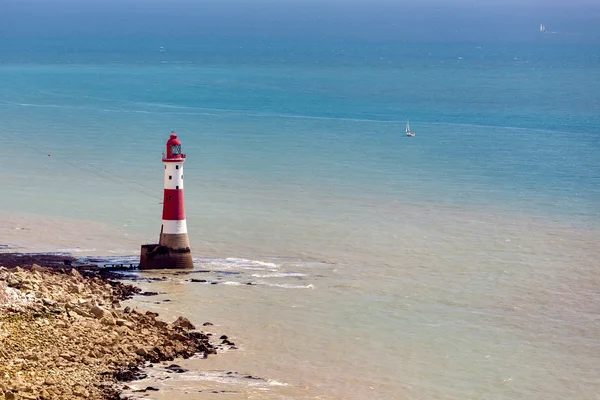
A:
[(234, 263), (286, 285), (76, 250), (230, 283), (280, 275)]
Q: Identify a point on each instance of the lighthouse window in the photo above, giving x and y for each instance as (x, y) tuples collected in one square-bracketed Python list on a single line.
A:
[(181, 176), (176, 187), (170, 177), (176, 149), (177, 167)]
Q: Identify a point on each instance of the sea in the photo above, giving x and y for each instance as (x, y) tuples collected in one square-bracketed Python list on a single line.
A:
[(348, 260)]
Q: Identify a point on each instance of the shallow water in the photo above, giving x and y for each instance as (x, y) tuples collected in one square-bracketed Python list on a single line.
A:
[(490, 325)]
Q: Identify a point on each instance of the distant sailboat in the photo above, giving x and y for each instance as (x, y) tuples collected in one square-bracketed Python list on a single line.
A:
[(409, 133), (542, 28)]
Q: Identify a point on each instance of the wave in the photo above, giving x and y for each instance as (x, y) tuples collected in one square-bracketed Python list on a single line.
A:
[(234, 262), (248, 113), (236, 112), (231, 283), (115, 110), (218, 376), (491, 126), (210, 111), (75, 250), (216, 112), (286, 285), (279, 275)]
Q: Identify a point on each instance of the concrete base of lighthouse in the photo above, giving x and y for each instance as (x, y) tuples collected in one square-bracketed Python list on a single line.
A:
[(173, 251), (155, 256)]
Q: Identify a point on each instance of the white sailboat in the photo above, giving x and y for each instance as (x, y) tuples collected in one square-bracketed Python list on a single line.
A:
[(409, 133), (542, 28)]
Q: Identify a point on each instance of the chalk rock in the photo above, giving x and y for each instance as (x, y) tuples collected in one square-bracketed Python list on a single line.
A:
[(38, 268), (82, 312), (99, 312), (184, 323), (108, 319), (160, 324), (75, 274), (80, 391), (141, 351)]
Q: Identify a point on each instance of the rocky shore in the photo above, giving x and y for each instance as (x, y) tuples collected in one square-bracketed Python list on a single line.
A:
[(64, 335)]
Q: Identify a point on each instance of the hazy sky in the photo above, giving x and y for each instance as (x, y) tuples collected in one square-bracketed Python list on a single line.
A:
[(368, 19)]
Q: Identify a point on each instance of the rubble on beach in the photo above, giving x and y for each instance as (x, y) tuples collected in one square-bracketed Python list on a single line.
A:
[(65, 336)]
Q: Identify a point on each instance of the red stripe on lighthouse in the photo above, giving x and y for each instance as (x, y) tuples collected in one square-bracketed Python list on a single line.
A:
[(173, 209)]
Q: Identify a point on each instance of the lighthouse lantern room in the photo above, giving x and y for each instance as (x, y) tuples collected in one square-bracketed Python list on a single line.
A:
[(173, 248)]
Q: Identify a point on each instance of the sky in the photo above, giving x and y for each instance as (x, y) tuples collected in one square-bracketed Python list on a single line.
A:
[(332, 19)]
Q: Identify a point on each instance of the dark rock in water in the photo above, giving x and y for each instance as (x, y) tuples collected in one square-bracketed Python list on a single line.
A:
[(226, 342), (152, 388), (129, 374), (223, 337), (148, 294), (214, 283), (198, 280), (164, 278), (176, 368), (233, 348), (28, 259), (250, 284), (251, 377), (166, 300), (151, 314), (207, 324), (198, 271)]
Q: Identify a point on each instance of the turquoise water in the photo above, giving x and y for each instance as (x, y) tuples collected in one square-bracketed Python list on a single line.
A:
[(461, 259), (516, 128)]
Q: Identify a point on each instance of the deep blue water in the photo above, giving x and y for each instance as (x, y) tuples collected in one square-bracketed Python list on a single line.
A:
[(503, 125)]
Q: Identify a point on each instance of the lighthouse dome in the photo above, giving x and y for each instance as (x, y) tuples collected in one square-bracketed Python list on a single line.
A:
[(174, 147)]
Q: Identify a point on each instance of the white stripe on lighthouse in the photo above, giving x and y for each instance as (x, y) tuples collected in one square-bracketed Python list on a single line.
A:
[(173, 175), (174, 227)]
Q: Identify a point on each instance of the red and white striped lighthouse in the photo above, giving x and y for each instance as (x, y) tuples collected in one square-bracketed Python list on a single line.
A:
[(173, 248)]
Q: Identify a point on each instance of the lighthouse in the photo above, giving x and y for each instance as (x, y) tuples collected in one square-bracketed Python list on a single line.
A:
[(173, 248)]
